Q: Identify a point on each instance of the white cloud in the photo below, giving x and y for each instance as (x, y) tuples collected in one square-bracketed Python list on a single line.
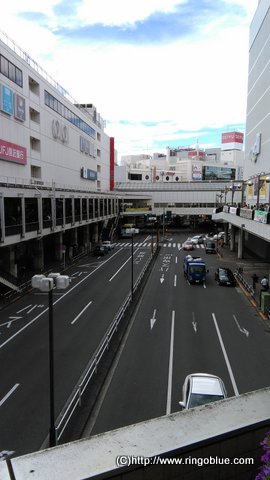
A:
[(190, 84), (122, 12)]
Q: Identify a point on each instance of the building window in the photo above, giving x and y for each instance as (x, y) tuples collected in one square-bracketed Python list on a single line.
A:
[(10, 71), (64, 112), (167, 178), (146, 177), (177, 179), (35, 144), (33, 86), (157, 177), (34, 115)]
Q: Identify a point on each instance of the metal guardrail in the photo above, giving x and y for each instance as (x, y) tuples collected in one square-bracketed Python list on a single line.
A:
[(75, 398), (246, 285)]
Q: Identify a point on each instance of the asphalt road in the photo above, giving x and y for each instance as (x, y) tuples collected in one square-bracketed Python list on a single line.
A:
[(82, 314), (179, 329)]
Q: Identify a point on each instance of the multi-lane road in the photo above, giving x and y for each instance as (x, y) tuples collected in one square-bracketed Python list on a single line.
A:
[(179, 329), (176, 329)]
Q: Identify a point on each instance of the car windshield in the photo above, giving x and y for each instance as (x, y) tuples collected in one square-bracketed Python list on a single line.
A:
[(224, 275), (197, 269), (197, 399)]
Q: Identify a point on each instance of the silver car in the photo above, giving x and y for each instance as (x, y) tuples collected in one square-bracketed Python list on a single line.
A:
[(202, 388)]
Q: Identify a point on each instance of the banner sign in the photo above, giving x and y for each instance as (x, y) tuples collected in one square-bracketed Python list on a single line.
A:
[(12, 152), (88, 174), (260, 216)]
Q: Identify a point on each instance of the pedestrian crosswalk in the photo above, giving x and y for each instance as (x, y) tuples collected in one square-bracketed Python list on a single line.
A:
[(178, 246)]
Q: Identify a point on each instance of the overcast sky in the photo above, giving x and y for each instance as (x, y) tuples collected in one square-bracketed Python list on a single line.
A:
[(160, 72)]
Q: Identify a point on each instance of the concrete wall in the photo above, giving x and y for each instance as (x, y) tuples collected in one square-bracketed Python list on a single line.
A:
[(230, 429)]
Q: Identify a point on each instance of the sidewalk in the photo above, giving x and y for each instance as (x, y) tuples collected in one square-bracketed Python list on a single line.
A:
[(249, 266)]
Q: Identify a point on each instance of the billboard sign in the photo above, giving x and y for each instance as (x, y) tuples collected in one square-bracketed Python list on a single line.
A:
[(12, 152)]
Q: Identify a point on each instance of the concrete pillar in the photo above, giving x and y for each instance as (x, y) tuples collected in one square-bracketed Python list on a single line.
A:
[(95, 233), (58, 242), (40, 215), (23, 216), (240, 241), (8, 259), (86, 238), (2, 219), (38, 255), (232, 240)]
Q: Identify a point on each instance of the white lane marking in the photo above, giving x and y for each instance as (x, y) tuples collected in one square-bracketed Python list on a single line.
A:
[(162, 278), (58, 300), (176, 260), (25, 308), (169, 389), (241, 329), (31, 309), (83, 310), (175, 280), (236, 392), (179, 246), (9, 393), (153, 319), (169, 244)]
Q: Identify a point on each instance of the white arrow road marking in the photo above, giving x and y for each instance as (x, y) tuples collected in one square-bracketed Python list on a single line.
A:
[(162, 278), (153, 319), (12, 319), (225, 356), (194, 323), (9, 393), (83, 310), (241, 329)]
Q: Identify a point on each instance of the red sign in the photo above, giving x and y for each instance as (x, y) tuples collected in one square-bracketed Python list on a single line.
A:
[(232, 137), (12, 152)]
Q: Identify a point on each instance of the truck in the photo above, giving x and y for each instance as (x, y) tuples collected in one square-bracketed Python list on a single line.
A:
[(194, 269)]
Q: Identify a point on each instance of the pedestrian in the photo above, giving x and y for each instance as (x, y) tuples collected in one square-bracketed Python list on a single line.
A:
[(265, 283), (255, 279)]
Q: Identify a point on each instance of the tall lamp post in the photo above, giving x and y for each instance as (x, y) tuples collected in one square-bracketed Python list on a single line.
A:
[(47, 284), (132, 231)]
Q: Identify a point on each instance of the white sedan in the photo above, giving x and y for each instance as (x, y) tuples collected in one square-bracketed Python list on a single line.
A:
[(108, 244), (202, 388), (197, 239)]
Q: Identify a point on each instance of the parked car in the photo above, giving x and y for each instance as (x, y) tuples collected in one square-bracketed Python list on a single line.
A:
[(210, 246), (224, 276), (202, 388), (197, 239), (100, 250), (219, 235), (188, 245), (108, 244)]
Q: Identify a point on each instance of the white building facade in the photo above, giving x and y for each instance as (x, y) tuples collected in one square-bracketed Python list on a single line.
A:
[(56, 167)]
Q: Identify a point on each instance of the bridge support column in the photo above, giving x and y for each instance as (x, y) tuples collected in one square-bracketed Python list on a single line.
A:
[(86, 238), (38, 254), (240, 241), (232, 240), (58, 242)]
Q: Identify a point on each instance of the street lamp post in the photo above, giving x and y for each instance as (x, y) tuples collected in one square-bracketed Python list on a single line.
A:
[(47, 284)]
